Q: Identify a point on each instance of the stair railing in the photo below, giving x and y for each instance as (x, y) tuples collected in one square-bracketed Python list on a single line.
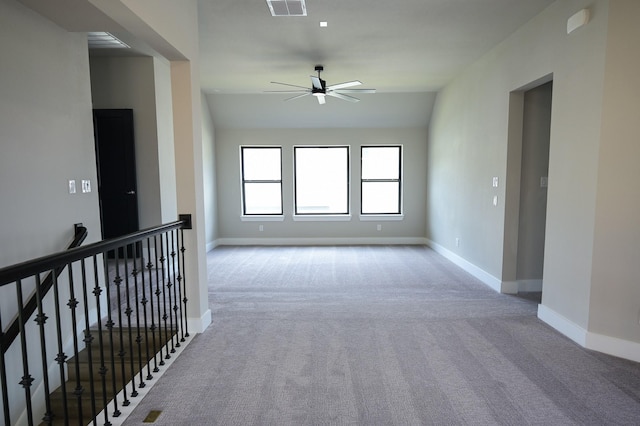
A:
[(128, 293)]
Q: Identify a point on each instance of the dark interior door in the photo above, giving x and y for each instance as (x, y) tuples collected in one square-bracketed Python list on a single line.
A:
[(115, 155)]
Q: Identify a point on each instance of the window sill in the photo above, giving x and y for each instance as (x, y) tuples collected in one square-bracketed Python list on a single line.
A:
[(322, 218), (380, 217), (262, 218)]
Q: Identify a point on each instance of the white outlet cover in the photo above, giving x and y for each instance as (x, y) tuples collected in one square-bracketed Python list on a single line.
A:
[(495, 181), (495, 200), (86, 186)]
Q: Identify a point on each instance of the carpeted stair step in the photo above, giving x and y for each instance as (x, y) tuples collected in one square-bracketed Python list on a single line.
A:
[(84, 367)]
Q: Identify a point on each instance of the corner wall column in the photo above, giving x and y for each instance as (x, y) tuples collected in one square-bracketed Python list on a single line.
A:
[(190, 187)]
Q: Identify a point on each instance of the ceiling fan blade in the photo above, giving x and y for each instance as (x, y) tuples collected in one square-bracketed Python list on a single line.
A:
[(321, 99), (317, 82), (343, 97), (292, 85), (345, 84), (356, 90), (297, 96), (286, 91)]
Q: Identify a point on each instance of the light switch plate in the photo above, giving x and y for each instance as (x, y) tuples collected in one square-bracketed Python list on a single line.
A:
[(86, 186), (495, 181), (72, 186)]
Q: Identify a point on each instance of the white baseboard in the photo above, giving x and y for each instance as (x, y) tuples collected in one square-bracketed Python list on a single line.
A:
[(211, 245), (529, 285), (198, 325), (488, 279), (565, 326), (598, 342), (514, 287), (614, 346), (319, 241), (509, 287)]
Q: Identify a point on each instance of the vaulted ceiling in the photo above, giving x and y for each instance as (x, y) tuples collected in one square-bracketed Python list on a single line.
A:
[(407, 50)]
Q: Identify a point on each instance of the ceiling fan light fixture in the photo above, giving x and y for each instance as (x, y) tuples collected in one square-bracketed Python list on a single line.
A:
[(287, 7)]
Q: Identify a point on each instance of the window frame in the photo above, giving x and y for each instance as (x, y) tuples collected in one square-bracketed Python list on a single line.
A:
[(399, 180), (244, 181), (328, 215)]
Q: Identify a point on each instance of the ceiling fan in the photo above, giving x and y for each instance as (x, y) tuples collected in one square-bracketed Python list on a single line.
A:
[(320, 90)]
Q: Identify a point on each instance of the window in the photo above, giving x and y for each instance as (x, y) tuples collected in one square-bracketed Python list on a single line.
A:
[(261, 180), (381, 187), (321, 180)]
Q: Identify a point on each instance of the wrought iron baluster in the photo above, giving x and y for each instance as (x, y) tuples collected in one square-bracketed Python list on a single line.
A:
[(27, 380), (88, 339), (61, 358), (144, 302), (184, 284), (179, 285), (41, 320), (121, 353), (109, 325), (164, 298), (158, 292), (97, 291), (175, 259), (172, 300), (153, 327), (3, 380), (170, 273), (128, 311), (134, 273), (73, 305)]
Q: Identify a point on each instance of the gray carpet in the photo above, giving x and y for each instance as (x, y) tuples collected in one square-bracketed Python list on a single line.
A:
[(379, 335)]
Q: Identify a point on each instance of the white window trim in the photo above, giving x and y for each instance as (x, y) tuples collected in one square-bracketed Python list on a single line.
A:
[(385, 216), (381, 217), (262, 218), (322, 218), (259, 217)]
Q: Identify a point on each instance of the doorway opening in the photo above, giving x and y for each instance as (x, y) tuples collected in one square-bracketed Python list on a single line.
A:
[(528, 170)]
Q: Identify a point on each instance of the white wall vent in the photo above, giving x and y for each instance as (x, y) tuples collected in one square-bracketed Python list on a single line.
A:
[(103, 40), (287, 7)]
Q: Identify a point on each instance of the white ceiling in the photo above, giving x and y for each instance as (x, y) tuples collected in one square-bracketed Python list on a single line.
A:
[(397, 47), (391, 45), (406, 49)]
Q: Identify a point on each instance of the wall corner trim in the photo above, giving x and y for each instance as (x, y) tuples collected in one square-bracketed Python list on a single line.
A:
[(597, 342), (613, 346), (565, 326), (199, 325)]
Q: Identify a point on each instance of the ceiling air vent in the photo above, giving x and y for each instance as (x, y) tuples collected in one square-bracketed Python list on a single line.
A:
[(287, 7), (103, 40)]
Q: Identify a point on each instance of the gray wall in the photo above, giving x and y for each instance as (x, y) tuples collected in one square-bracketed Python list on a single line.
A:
[(615, 291), (209, 176), (590, 290), (233, 229), (46, 135)]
